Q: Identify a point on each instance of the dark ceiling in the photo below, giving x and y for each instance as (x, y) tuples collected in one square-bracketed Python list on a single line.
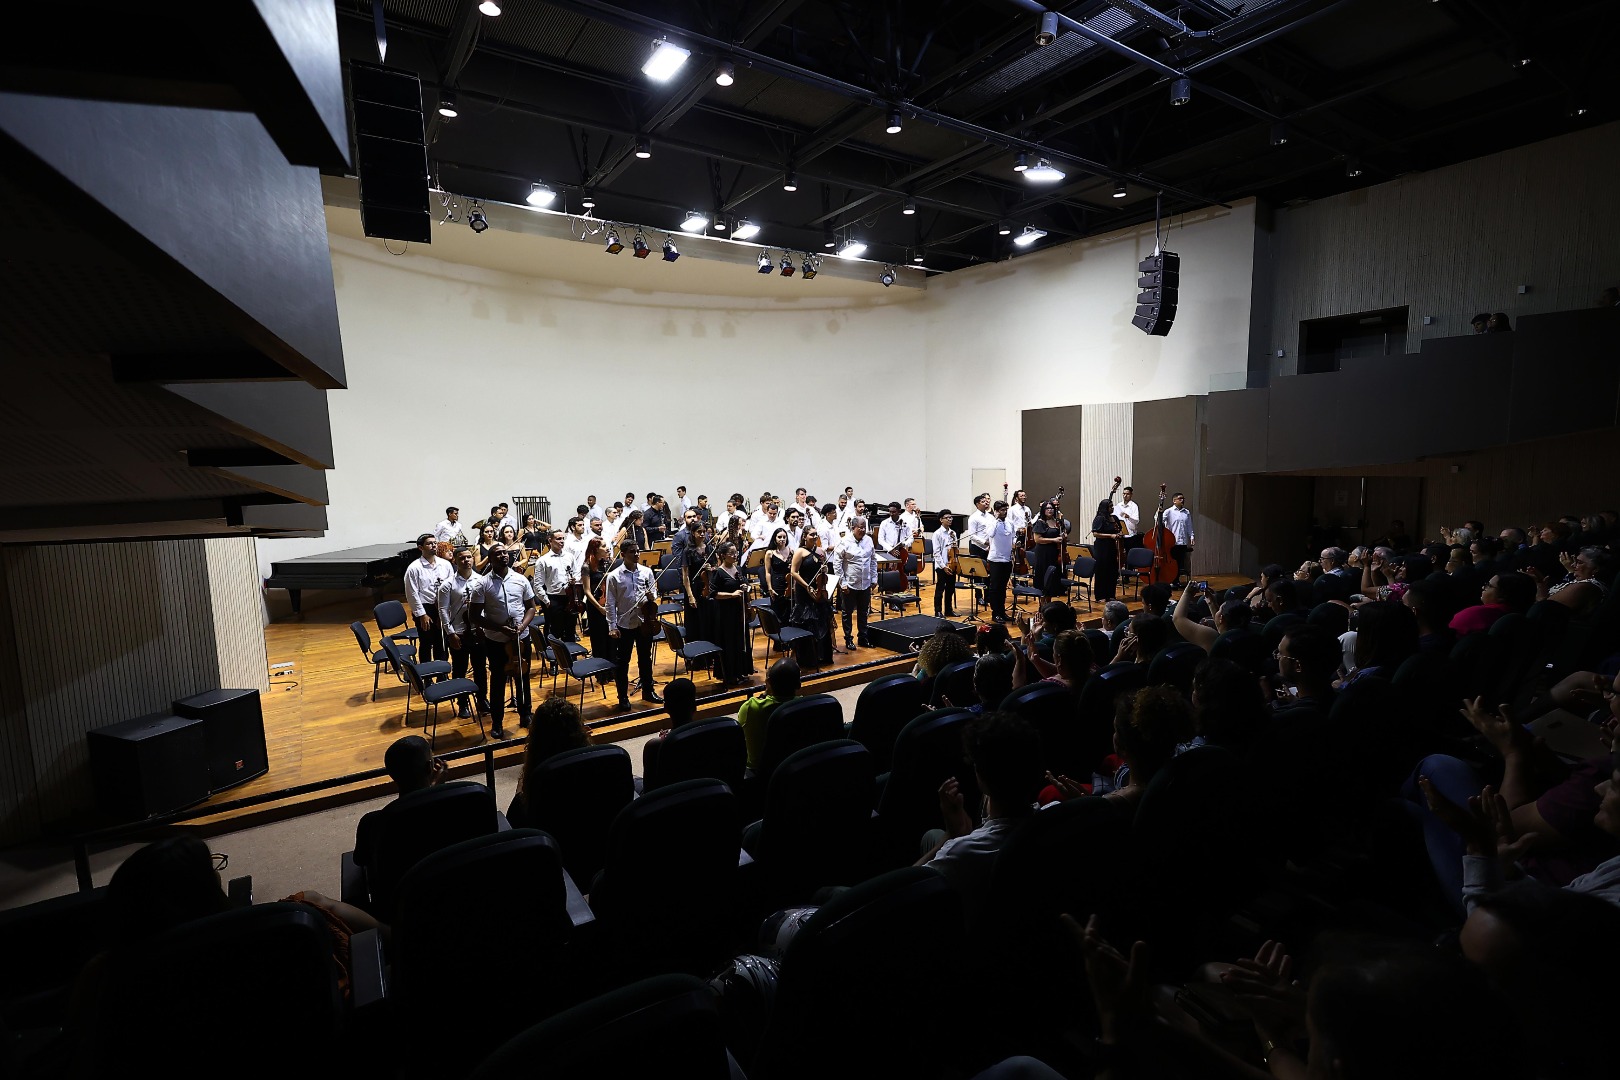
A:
[(1365, 90)]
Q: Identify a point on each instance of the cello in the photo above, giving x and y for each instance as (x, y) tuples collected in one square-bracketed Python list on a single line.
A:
[(1160, 540)]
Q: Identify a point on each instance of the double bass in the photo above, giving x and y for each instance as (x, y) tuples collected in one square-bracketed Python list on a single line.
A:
[(1160, 540)]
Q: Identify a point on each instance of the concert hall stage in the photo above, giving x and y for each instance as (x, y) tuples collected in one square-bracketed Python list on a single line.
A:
[(321, 723)]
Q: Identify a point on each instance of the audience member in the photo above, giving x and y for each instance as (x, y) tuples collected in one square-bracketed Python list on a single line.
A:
[(1498, 323), (413, 768), (781, 684), (1504, 594), (1228, 707), (1587, 585), (554, 726), (1480, 322)]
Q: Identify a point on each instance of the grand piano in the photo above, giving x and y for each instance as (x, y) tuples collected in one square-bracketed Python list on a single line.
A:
[(374, 567)]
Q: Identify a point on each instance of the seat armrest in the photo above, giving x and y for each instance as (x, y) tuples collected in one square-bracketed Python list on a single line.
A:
[(744, 859), (501, 824), (579, 912), (367, 983), (352, 882)]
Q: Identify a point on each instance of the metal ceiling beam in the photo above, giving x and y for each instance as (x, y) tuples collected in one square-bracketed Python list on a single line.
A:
[(463, 35)]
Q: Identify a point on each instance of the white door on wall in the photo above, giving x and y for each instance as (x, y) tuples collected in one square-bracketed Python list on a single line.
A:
[(989, 480)]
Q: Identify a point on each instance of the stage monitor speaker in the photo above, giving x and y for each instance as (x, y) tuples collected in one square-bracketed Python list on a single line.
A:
[(233, 733), (1159, 280), (148, 766), (385, 108)]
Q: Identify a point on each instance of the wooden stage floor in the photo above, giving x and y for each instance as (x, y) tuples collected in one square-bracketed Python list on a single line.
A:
[(321, 724)]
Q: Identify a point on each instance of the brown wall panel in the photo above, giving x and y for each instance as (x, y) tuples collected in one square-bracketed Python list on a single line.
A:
[(1051, 455)]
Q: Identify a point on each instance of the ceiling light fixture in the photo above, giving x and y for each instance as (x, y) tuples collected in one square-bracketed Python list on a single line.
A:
[(639, 248), (894, 122), (1044, 172), (1180, 91), (852, 249), (1028, 236), (745, 230), (695, 221), (808, 269), (643, 147), (827, 240), (887, 277), (918, 257), (720, 224), (1352, 167), (587, 200), (447, 104), (909, 209), (765, 266), (725, 73), (790, 182), (490, 8), (1119, 190), (1048, 31), (540, 195), (1279, 134), (476, 221), (1003, 229), (1578, 109), (665, 61), (614, 244), (670, 254), (787, 265), (1021, 162)]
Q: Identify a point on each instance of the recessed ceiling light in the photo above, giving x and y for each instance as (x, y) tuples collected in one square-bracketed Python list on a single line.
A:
[(665, 61), (745, 230), (695, 221), (1028, 236), (1044, 172), (540, 195)]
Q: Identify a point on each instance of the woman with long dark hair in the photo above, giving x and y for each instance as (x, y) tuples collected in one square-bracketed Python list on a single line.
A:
[(1046, 551), (1105, 529), (778, 562), (728, 617)]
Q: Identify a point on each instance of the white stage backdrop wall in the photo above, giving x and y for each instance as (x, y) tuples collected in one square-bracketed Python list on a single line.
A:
[(1054, 328), (468, 386)]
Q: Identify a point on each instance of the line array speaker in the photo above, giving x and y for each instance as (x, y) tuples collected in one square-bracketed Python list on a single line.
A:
[(385, 109), (1159, 280)]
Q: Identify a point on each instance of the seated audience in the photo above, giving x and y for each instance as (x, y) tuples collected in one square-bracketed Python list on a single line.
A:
[(1505, 593), (781, 684), (680, 699), (413, 768), (939, 652), (555, 726), (1591, 571), (1228, 707)]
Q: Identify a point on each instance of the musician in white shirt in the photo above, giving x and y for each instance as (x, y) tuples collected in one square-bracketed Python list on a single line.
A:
[(446, 531), (456, 595), (503, 607), (832, 527), (628, 585), (1130, 519), (575, 543), (1178, 519), (593, 512), (1019, 513), (856, 557), (552, 574), (895, 531), (845, 512), (506, 519), (980, 522), (794, 522), (945, 540), (1000, 560), (422, 580), (912, 518)]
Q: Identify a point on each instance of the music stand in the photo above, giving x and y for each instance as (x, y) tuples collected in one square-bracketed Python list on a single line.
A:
[(976, 569), (755, 559)]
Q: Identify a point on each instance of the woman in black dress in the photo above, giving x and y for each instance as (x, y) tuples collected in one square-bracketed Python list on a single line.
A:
[(811, 611), (592, 571), (778, 562), (1105, 528), (728, 616), (1046, 550)]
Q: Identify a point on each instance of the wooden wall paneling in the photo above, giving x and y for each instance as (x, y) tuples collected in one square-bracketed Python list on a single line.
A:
[(235, 593), (1106, 437), (1236, 427), (1276, 514), (1051, 455), (19, 810)]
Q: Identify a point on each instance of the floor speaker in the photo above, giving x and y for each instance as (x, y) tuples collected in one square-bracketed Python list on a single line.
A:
[(233, 734), (150, 765)]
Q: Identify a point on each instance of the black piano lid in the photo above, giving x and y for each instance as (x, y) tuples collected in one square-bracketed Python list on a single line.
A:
[(347, 557)]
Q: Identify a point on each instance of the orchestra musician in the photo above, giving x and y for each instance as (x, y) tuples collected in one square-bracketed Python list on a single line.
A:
[(422, 580), (1178, 519), (690, 552), (979, 525), (551, 579), (514, 547), (1000, 560), (487, 542), (593, 570), (1045, 540), (448, 531), (945, 540), (778, 562), (1106, 528), (1129, 514), (811, 610), (727, 618), (794, 519), (857, 574), (629, 587), (1019, 512), (504, 607), (456, 595), (912, 517)]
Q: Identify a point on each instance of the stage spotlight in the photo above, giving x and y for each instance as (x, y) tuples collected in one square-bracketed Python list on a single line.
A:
[(695, 221), (745, 230), (852, 249), (808, 269), (643, 147), (1021, 162), (887, 277), (790, 182), (540, 195), (639, 247), (476, 221), (665, 61), (894, 122), (1044, 172), (1119, 190), (1180, 91), (1028, 236), (447, 104), (1352, 167), (724, 73), (490, 8), (1279, 134), (765, 266), (1048, 31), (909, 209), (614, 244), (787, 265), (670, 254)]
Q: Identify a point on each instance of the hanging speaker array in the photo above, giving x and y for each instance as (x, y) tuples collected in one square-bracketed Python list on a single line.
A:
[(1160, 277)]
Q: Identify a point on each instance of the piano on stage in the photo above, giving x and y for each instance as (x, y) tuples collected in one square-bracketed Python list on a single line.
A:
[(374, 567)]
